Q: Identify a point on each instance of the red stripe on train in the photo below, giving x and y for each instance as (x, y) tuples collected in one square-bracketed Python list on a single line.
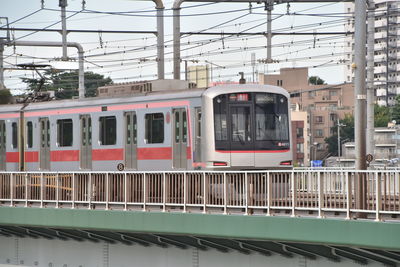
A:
[(31, 156), (108, 154), (64, 155), (12, 157), (149, 153), (153, 153)]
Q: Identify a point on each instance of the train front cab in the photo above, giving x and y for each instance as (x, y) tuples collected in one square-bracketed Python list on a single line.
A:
[(250, 127)]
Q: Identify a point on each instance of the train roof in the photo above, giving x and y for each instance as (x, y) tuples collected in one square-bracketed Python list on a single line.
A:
[(98, 101), (232, 88), (148, 96)]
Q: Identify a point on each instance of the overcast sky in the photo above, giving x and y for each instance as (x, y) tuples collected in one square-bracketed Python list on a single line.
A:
[(320, 53)]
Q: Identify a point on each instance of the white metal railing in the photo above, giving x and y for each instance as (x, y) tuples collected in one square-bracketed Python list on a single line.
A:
[(319, 193)]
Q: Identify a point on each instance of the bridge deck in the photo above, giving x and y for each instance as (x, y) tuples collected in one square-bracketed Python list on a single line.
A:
[(313, 214)]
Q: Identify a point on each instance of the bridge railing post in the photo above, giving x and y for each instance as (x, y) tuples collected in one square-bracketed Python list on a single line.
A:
[(41, 189), (26, 190), (185, 189), (12, 189), (145, 193), (294, 193), (57, 189), (320, 194), (164, 192), (378, 196), (246, 192), (125, 192), (73, 192), (348, 195), (107, 189), (269, 194), (205, 192), (90, 191), (225, 194)]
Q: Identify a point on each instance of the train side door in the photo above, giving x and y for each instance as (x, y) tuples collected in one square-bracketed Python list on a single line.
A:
[(179, 135), (2, 145), (197, 136), (44, 152), (130, 140), (242, 143), (86, 142)]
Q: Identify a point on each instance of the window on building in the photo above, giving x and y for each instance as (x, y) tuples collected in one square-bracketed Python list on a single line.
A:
[(300, 132), (319, 133), (332, 106), (108, 130), (29, 131), (64, 132), (14, 127), (300, 148), (154, 132), (319, 119)]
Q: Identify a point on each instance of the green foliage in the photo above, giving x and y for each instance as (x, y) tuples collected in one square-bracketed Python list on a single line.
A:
[(5, 96), (346, 133), (381, 116), (315, 80), (66, 83)]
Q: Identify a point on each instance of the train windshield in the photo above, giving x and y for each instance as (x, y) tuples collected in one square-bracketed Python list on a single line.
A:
[(251, 121)]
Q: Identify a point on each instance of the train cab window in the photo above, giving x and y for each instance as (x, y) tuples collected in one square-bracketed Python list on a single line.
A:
[(251, 121), (108, 130), (14, 127), (29, 131), (220, 117), (271, 117), (64, 132), (154, 132)]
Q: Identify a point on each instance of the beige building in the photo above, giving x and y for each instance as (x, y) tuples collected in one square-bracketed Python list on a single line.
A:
[(300, 137), (200, 75), (324, 104)]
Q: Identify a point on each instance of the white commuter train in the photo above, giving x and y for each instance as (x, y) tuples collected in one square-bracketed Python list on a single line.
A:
[(240, 126)]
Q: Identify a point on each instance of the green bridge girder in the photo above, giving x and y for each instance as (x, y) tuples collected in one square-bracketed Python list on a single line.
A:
[(358, 240)]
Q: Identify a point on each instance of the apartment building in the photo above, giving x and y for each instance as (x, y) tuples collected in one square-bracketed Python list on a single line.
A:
[(386, 150), (386, 50), (300, 129), (324, 105)]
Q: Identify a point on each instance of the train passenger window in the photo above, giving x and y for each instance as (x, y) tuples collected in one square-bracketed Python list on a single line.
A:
[(64, 132), (154, 128), (108, 130), (14, 135), (29, 131)]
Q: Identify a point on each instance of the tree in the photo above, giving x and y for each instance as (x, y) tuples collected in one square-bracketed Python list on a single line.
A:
[(381, 116), (346, 133), (5, 96), (315, 80), (66, 83)]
